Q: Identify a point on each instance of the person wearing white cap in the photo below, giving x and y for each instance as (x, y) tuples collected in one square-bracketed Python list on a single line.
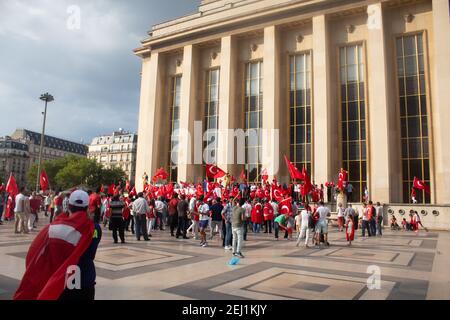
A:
[(70, 243)]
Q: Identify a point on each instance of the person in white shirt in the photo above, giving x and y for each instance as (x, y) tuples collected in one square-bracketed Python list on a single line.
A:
[(248, 214), (365, 221), (194, 226), (141, 208), (304, 227), (322, 224), (379, 218), (159, 208), (21, 212), (203, 210)]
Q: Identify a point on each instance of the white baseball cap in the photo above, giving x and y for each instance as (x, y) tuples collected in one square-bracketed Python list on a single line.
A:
[(79, 198)]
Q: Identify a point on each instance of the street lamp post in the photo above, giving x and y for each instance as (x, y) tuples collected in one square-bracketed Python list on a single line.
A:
[(47, 98)]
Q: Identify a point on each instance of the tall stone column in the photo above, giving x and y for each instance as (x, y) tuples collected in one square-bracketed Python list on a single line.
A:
[(227, 105), (378, 153), (440, 116), (149, 113), (321, 108), (271, 102), (187, 113)]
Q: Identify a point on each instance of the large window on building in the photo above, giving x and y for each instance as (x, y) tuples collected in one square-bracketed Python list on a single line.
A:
[(300, 110), (211, 123), (174, 127), (253, 118), (413, 114), (353, 118)]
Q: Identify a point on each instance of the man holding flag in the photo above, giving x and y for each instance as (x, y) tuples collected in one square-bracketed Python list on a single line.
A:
[(63, 251)]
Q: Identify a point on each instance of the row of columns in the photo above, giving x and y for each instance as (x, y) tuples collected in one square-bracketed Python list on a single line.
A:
[(381, 162)]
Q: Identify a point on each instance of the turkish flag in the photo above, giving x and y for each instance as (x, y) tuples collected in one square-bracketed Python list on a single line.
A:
[(133, 192), (286, 206), (293, 170), (56, 248), (44, 181), (102, 189), (161, 174), (277, 194), (307, 187), (111, 189), (264, 175), (342, 178), (128, 186), (419, 184), (214, 172), (243, 176), (169, 191), (11, 186)]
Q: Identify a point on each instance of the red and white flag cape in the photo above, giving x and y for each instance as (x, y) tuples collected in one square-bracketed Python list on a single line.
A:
[(56, 248), (286, 206)]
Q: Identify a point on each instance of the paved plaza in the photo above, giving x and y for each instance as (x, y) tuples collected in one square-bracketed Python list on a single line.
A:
[(413, 266)]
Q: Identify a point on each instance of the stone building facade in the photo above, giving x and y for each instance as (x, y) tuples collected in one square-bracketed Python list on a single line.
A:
[(14, 158), (116, 150), (358, 84)]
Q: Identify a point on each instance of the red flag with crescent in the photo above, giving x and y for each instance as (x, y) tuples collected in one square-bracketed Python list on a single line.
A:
[(342, 178), (286, 206), (293, 170), (243, 176), (419, 184), (214, 172), (264, 175), (277, 194), (11, 186)]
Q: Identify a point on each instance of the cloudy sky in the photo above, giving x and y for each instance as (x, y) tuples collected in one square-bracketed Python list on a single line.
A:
[(87, 64)]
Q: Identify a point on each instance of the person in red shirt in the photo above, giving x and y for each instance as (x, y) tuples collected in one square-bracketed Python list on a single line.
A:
[(257, 216), (35, 205), (173, 214), (268, 216), (95, 204)]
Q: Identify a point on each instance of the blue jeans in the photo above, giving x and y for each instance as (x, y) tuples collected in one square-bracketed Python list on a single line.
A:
[(373, 228), (256, 227), (228, 234), (1, 212), (141, 226), (366, 225)]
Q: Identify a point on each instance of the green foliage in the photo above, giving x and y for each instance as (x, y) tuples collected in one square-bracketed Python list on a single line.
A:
[(73, 171)]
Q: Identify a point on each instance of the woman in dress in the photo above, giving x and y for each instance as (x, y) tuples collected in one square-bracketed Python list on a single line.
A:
[(350, 230)]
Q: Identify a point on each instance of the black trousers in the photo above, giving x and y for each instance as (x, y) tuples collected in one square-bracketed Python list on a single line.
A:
[(117, 224), (83, 294), (173, 222), (182, 226), (268, 226)]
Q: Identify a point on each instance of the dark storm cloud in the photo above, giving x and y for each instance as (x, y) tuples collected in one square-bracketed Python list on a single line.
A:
[(91, 71)]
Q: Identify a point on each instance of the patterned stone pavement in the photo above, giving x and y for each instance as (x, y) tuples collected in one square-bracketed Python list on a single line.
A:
[(412, 266)]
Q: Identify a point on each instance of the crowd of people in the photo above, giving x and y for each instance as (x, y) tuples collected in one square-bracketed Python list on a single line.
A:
[(200, 212)]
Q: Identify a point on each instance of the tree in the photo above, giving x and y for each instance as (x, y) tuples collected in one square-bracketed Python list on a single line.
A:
[(73, 171)]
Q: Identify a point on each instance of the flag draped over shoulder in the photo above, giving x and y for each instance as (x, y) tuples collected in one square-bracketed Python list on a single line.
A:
[(286, 206), (56, 248)]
